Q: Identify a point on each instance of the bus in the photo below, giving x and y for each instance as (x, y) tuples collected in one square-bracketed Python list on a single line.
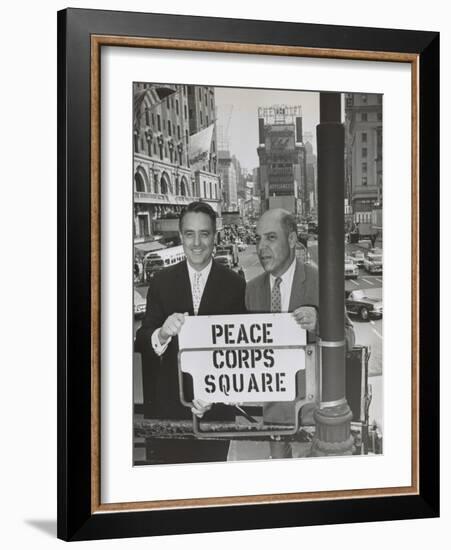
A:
[(158, 260)]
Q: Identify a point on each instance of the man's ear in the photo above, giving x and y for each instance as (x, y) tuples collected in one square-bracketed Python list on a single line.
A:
[(292, 239)]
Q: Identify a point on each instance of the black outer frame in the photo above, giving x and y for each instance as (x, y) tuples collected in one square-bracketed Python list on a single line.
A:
[(75, 520)]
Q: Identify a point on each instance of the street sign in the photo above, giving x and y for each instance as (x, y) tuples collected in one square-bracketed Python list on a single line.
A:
[(246, 358)]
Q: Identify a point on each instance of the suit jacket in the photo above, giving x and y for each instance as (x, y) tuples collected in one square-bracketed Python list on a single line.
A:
[(170, 292), (304, 292)]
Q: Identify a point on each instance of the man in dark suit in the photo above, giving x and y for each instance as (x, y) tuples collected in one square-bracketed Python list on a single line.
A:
[(287, 285), (197, 286)]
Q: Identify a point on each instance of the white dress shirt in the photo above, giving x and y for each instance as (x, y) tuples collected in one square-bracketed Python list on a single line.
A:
[(159, 348), (285, 285)]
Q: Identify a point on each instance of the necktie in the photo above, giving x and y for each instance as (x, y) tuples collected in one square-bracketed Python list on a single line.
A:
[(276, 298), (197, 291)]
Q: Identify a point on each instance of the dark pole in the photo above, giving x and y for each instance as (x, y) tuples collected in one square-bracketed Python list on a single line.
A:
[(333, 418)]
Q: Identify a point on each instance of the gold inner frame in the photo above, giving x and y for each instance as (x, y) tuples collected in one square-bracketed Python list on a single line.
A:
[(97, 41)]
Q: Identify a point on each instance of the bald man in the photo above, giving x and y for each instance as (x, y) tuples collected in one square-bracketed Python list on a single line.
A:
[(287, 285)]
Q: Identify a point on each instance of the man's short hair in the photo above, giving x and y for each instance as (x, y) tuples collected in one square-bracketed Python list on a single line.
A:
[(288, 222), (198, 207)]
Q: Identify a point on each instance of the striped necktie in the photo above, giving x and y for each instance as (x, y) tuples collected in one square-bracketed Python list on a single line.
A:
[(276, 298), (197, 291)]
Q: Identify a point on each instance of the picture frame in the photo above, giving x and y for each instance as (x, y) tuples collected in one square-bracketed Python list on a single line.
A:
[(81, 36)]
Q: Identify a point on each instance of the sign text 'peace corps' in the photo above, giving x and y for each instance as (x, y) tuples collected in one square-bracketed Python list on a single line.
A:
[(250, 358)]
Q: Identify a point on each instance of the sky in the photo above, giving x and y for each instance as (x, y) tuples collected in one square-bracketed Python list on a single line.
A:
[(238, 107)]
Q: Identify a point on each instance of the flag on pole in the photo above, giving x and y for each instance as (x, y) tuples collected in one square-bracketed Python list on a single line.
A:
[(200, 144)]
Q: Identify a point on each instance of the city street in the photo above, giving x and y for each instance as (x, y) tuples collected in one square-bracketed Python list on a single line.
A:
[(367, 334)]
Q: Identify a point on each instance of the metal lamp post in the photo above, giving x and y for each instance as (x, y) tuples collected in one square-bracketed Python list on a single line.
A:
[(333, 417)]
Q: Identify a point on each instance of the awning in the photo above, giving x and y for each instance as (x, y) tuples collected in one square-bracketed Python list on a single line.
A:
[(149, 246)]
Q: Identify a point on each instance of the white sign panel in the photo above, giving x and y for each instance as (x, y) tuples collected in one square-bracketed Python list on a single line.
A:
[(252, 358), (240, 374), (261, 329)]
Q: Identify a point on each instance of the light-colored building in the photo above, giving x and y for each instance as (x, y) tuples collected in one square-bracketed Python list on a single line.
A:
[(363, 121), (227, 170), (168, 173)]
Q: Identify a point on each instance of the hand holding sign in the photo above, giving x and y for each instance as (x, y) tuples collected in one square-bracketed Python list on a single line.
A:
[(171, 327), (200, 407), (307, 317)]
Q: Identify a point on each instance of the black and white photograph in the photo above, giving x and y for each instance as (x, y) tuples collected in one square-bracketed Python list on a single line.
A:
[(257, 213)]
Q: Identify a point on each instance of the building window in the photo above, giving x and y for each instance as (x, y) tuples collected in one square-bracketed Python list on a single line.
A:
[(364, 117), (147, 117), (172, 102), (154, 149), (153, 120), (141, 144), (186, 136), (184, 110), (364, 152), (364, 167), (364, 181), (164, 124), (159, 123), (206, 98), (177, 106), (169, 128), (364, 137), (140, 186), (165, 151), (206, 119), (201, 118), (200, 94), (364, 98)]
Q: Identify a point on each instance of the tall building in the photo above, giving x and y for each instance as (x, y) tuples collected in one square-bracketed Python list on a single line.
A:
[(281, 152), (363, 122), (228, 172), (174, 144), (311, 179)]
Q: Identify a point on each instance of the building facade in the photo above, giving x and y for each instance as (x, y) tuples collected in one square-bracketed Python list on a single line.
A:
[(363, 122), (168, 174), (229, 179), (282, 159)]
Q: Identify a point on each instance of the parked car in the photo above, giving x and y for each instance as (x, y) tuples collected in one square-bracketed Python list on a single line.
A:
[(224, 259), (351, 269), (373, 261), (365, 307), (241, 246), (139, 304), (358, 257), (228, 248)]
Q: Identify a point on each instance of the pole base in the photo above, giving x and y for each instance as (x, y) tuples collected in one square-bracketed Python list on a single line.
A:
[(333, 432)]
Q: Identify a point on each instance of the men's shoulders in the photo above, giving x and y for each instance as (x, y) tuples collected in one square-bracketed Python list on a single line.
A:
[(310, 270), (257, 281), (225, 273), (169, 273)]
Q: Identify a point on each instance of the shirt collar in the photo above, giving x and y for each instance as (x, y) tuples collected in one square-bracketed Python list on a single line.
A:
[(205, 272), (286, 277)]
